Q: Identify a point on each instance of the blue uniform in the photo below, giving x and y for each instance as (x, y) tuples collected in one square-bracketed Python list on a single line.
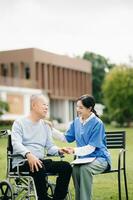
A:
[(92, 133)]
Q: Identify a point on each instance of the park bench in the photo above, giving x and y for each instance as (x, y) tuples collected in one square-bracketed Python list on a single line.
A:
[(117, 140)]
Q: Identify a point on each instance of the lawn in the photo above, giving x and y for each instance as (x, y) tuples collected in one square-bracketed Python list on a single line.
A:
[(105, 186)]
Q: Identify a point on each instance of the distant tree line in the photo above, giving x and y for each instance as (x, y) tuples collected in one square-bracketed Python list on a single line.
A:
[(100, 66), (113, 87)]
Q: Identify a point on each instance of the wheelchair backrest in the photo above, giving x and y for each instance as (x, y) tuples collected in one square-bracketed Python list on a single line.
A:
[(9, 143), (9, 151), (7, 133)]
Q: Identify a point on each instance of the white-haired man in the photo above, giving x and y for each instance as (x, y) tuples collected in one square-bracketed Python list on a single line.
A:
[(30, 136)]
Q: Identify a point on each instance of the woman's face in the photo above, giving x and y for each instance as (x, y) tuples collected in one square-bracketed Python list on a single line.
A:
[(82, 111)]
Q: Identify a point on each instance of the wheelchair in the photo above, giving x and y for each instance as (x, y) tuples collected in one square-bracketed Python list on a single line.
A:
[(5, 186), (19, 185)]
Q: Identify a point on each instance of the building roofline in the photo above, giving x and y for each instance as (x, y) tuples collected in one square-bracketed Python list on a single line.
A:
[(39, 55)]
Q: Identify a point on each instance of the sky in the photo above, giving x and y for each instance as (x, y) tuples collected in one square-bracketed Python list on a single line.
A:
[(69, 27)]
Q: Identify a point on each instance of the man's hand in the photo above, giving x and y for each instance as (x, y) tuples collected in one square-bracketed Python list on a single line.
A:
[(68, 150), (34, 162)]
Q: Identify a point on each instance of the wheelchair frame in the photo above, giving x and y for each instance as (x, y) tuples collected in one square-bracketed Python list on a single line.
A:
[(20, 185)]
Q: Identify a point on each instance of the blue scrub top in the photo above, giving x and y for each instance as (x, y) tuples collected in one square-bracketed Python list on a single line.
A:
[(92, 133)]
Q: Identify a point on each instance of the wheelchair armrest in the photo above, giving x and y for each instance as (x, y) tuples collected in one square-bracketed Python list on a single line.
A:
[(21, 163), (15, 155)]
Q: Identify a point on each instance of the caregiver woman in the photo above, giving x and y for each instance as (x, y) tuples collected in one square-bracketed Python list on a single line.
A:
[(89, 133)]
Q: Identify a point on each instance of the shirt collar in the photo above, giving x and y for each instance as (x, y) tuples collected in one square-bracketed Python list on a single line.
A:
[(88, 119)]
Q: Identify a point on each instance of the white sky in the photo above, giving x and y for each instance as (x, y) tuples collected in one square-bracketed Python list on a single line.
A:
[(69, 27)]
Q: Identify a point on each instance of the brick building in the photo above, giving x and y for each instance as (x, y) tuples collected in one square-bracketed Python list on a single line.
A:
[(28, 71)]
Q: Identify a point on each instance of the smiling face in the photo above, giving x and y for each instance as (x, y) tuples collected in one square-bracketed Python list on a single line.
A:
[(82, 111), (39, 106)]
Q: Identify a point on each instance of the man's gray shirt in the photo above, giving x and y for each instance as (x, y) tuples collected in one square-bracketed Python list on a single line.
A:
[(34, 137)]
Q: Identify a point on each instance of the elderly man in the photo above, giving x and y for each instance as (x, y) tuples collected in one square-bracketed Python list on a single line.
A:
[(30, 137)]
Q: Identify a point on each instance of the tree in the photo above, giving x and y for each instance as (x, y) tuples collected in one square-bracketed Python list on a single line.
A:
[(3, 107), (118, 94), (100, 66)]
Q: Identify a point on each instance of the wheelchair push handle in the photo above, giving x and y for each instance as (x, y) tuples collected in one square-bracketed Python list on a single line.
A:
[(3, 133)]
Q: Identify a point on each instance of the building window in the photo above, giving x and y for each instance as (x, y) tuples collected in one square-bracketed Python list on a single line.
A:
[(27, 71), (4, 70)]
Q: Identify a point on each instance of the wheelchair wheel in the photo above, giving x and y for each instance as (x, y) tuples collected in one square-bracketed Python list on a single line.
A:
[(5, 191), (50, 189)]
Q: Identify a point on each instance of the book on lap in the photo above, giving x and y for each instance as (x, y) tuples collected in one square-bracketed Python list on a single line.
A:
[(83, 160)]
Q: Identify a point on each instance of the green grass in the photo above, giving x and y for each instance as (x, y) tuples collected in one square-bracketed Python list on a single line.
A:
[(105, 186)]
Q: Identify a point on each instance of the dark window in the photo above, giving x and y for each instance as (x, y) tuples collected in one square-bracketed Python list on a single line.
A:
[(27, 71), (4, 70)]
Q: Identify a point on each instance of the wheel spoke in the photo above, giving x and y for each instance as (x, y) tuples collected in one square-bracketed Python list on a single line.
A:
[(2, 191), (7, 190)]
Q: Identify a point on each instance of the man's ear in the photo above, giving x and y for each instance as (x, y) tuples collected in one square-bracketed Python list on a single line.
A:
[(33, 104)]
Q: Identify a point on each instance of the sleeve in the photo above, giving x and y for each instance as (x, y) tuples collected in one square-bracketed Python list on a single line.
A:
[(58, 135), (97, 135), (50, 146), (16, 135), (70, 133)]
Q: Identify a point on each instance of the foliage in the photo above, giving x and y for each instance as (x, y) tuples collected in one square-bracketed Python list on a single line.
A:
[(100, 66), (3, 107), (118, 94)]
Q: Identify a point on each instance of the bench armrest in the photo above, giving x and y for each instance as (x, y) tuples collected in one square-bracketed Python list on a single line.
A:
[(120, 157)]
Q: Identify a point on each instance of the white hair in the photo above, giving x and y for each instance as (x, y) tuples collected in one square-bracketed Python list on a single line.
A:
[(35, 97)]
